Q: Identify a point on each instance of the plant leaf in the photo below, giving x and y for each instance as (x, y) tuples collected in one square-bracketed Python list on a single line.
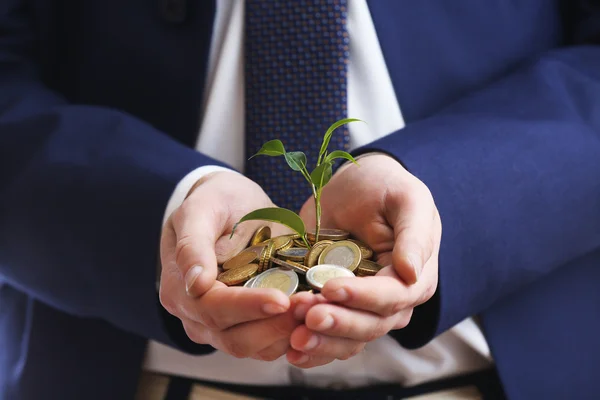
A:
[(321, 175), (340, 154), (329, 133), (271, 148), (296, 160), (275, 214)]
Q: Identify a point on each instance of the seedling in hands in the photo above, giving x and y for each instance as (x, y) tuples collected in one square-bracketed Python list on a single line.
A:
[(317, 179)]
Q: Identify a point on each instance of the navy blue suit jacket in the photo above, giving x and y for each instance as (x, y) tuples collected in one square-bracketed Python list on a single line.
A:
[(99, 103)]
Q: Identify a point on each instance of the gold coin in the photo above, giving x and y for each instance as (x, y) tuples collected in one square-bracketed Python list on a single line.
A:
[(365, 250), (293, 254), (238, 275), (282, 242), (245, 257), (263, 233), (312, 257), (368, 268), (299, 243), (265, 257), (318, 275), (344, 253), (278, 278), (297, 267), (328, 234)]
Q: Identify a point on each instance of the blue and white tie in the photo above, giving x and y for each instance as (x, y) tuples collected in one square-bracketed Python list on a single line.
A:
[(296, 59)]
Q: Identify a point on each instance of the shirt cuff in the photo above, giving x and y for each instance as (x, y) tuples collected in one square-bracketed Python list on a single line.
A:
[(185, 184)]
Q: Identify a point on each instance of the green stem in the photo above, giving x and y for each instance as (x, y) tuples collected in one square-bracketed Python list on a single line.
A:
[(317, 196)]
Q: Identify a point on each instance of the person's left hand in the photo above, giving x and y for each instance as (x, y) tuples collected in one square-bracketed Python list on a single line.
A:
[(393, 212)]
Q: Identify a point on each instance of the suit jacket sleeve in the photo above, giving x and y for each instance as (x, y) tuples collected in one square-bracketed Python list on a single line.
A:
[(83, 190), (515, 173)]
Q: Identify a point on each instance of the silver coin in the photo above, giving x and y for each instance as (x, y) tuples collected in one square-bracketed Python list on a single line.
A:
[(277, 278), (318, 275), (249, 282)]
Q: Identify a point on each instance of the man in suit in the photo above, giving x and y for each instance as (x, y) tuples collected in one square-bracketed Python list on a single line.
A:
[(99, 106)]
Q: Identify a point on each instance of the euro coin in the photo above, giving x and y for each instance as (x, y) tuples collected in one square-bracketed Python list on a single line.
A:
[(250, 282), (299, 243), (278, 278), (328, 234), (318, 275), (238, 275), (365, 250), (344, 253), (245, 257), (312, 257), (282, 242), (297, 267), (265, 256), (262, 234), (368, 268), (293, 254)]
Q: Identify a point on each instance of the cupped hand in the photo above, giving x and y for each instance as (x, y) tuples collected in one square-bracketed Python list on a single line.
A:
[(393, 212), (239, 321)]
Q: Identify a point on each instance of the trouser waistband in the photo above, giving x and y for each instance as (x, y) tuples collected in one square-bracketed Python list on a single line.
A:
[(483, 385)]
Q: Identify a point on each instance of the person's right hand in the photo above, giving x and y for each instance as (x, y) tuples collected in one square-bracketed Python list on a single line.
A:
[(242, 322)]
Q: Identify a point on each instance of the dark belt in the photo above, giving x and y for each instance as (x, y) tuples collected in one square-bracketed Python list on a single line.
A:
[(480, 385)]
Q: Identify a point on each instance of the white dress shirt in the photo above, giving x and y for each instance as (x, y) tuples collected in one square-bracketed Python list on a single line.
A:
[(371, 97)]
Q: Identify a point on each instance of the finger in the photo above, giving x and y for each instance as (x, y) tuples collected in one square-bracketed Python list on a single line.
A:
[(315, 344), (338, 321), (385, 294), (301, 302), (223, 307), (412, 216), (274, 351), (196, 228), (302, 360), (251, 338)]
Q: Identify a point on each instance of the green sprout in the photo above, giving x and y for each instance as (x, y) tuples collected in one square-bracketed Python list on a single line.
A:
[(317, 179)]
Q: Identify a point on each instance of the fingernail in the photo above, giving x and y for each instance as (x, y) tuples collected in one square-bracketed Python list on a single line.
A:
[(190, 278), (312, 343), (415, 261), (273, 308), (302, 359), (300, 311), (326, 324), (339, 295)]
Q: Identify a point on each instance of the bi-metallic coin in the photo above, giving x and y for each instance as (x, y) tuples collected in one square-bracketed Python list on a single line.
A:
[(344, 253), (318, 275), (293, 254), (278, 278)]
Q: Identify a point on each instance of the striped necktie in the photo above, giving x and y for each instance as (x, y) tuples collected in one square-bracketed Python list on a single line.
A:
[(296, 59)]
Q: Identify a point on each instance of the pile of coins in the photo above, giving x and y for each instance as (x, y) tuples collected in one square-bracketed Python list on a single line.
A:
[(286, 263)]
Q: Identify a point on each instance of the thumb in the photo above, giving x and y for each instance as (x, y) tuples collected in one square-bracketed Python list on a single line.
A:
[(414, 232), (196, 230)]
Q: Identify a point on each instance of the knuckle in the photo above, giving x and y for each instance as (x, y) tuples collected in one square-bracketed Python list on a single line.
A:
[(404, 320), (428, 293), (235, 349), (182, 250), (269, 355), (194, 334), (393, 307), (208, 320), (358, 348), (378, 331), (167, 302)]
